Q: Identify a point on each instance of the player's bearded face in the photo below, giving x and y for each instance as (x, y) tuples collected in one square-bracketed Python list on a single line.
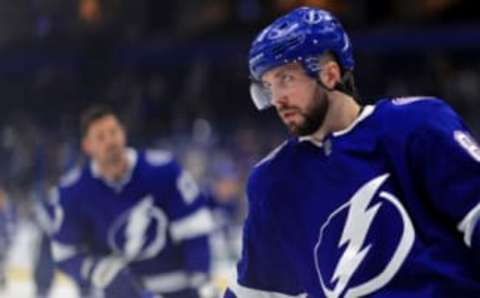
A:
[(311, 117), (300, 102)]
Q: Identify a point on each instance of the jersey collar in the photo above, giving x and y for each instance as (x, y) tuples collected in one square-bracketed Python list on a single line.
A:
[(132, 158), (367, 111)]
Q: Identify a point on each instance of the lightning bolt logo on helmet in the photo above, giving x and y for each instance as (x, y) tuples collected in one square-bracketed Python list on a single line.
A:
[(366, 260)]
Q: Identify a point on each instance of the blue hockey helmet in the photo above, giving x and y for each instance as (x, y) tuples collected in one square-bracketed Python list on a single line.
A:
[(300, 36)]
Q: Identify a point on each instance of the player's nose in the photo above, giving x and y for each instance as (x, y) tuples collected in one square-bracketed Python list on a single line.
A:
[(279, 98)]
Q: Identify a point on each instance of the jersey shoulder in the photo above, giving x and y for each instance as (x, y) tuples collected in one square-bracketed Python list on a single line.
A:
[(276, 156), (73, 180), (72, 186), (404, 115), (160, 165), (158, 158), (272, 166)]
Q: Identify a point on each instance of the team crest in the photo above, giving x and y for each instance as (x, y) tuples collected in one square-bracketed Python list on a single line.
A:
[(364, 243), (140, 233)]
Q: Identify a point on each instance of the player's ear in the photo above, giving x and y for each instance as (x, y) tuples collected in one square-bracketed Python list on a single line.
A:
[(329, 74)]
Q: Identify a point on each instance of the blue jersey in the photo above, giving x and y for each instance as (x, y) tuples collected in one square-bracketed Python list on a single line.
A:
[(153, 222), (388, 207)]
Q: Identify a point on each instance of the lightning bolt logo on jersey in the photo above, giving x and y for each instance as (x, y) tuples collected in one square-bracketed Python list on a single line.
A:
[(154, 224), (391, 209), (141, 232), (361, 214)]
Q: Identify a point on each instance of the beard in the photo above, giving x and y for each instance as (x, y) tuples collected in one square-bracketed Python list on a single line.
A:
[(313, 116)]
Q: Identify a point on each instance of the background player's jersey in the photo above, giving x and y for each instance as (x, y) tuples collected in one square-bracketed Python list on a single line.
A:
[(154, 222), (389, 207)]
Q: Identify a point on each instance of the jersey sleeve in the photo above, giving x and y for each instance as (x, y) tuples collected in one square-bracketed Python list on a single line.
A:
[(69, 244), (190, 221), (446, 161), (264, 269)]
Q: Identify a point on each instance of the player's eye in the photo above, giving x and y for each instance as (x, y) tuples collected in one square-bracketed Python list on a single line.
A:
[(287, 78)]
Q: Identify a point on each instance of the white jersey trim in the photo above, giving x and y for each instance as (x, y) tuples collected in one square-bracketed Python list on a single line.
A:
[(367, 111), (62, 252), (172, 281), (312, 140), (272, 154), (400, 101), (70, 178), (468, 224), (468, 143), (197, 224), (244, 292), (158, 157), (132, 159)]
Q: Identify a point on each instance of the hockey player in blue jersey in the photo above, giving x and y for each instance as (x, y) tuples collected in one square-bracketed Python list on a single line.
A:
[(131, 223), (363, 201)]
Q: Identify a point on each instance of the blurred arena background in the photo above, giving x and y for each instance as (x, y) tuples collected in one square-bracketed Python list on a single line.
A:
[(177, 71)]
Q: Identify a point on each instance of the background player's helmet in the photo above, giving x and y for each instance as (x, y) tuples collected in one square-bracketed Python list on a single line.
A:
[(300, 36)]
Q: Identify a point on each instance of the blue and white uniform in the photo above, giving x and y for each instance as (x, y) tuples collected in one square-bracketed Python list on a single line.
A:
[(150, 229), (387, 208)]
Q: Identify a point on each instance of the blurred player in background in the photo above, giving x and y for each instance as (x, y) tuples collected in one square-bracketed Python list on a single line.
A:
[(225, 199), (131, 223), (363, 201)]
